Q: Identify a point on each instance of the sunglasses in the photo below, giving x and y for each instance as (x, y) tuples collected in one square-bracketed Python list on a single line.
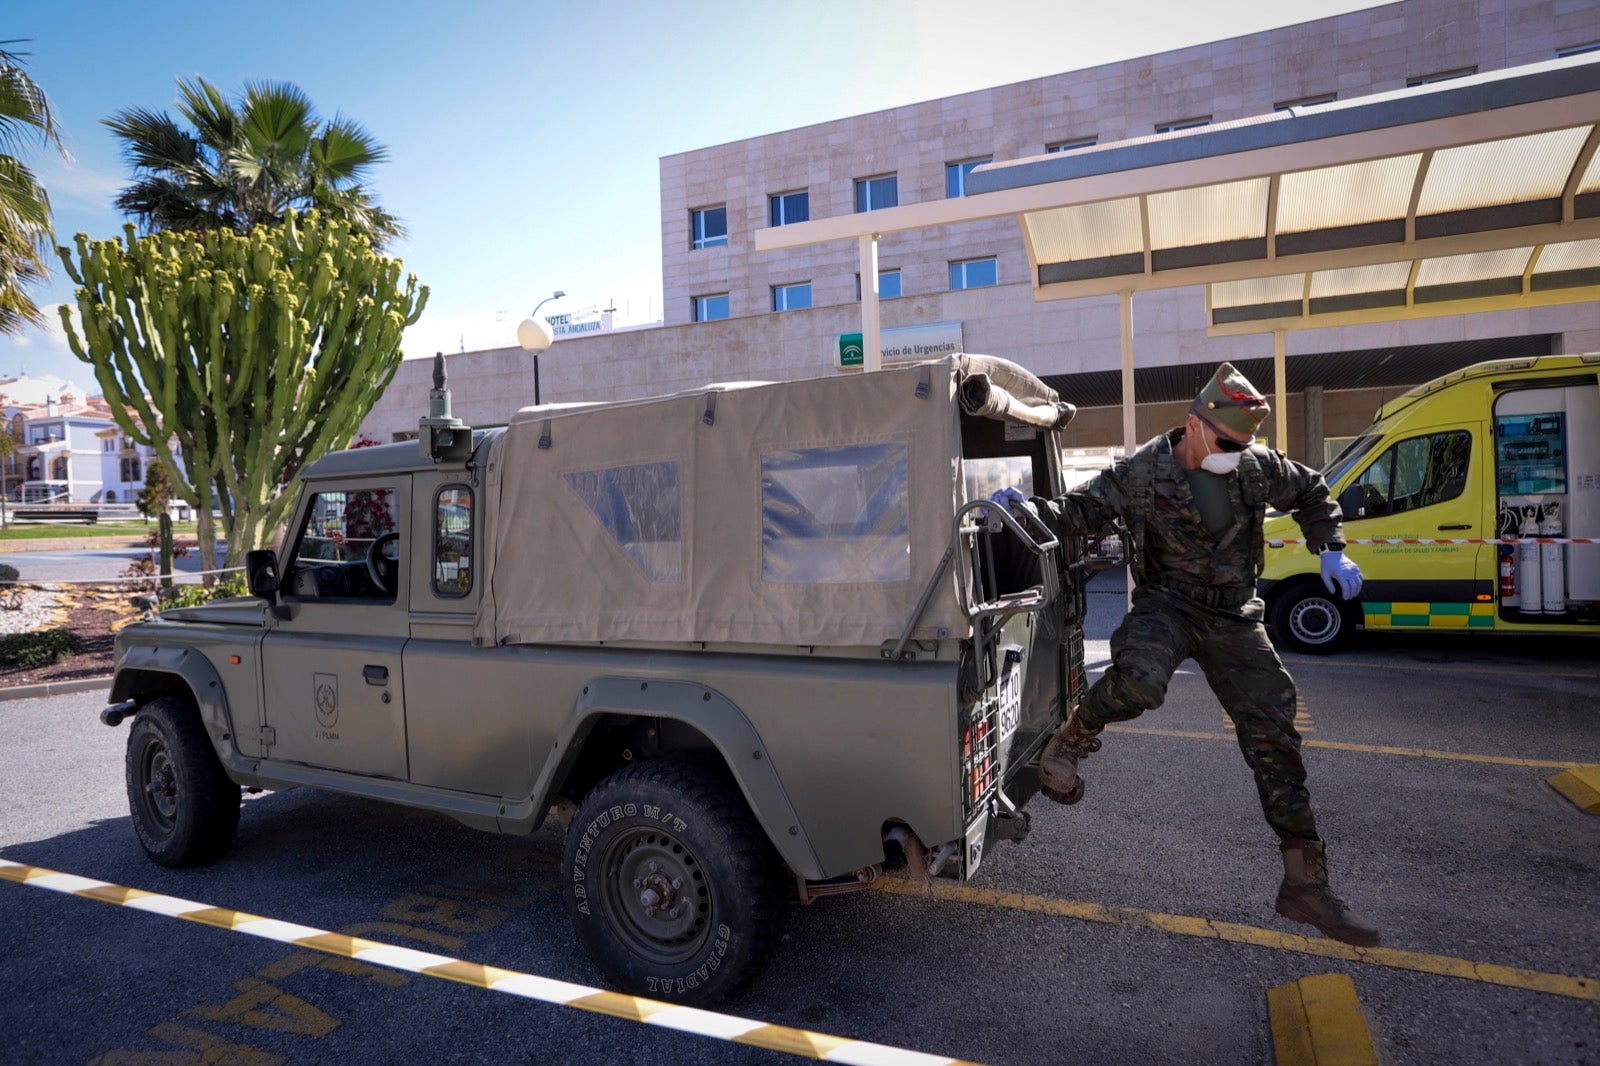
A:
[(1228, 444)]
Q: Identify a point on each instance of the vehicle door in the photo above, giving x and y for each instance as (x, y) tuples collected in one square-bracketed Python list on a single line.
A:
[(331, 659), (1022, 660), (1421, 498)]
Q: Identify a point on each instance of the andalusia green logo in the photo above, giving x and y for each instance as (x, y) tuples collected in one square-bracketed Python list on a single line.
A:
[(850, 349)]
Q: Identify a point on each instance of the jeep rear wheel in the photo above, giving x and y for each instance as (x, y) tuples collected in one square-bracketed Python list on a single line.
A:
[(185, 810), (672, 887)]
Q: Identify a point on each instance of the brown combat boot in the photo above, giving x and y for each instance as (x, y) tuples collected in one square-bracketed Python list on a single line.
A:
[(1058, 766), (1305, 896)]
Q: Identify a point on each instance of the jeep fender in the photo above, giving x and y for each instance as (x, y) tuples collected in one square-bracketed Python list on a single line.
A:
[(136, 679), (714, 716)]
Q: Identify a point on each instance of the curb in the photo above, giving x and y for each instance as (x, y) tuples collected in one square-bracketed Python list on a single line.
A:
[(1317, 1021), (54, 688)]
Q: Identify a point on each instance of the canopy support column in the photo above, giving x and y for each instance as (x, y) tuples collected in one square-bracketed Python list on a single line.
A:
[(1280, 374), (1130, 429), (871, 331)]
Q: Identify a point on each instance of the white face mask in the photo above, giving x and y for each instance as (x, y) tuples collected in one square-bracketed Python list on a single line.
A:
[(1221, 462)]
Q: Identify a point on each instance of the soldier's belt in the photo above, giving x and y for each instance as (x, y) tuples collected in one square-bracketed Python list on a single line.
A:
[(1220, 596)]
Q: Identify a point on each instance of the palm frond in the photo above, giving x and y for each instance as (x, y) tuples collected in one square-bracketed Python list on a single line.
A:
[(25, 112)]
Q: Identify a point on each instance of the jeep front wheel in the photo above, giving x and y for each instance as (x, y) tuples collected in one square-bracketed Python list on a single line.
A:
[(672, 887), (185, 810)]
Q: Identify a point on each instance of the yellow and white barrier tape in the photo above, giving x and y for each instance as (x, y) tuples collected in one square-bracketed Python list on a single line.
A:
[(529, 986)]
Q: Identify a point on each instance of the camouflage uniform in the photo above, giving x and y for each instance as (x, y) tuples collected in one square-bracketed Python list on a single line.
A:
[(1195, 598)]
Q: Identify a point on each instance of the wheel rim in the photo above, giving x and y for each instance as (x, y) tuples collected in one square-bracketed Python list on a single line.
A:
[(656, 895), (1315, 620), (160, 786)]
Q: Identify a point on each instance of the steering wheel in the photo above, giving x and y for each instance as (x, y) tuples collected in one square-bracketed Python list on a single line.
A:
[(383, 562)]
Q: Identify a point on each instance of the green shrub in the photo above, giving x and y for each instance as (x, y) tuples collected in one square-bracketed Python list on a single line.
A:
[(195, 595), (44, 648), (8, 574)]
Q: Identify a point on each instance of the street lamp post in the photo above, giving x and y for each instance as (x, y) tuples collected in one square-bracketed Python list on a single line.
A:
[(535, 336)]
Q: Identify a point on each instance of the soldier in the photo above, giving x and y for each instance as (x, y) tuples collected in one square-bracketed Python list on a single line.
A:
[(1194, 499)]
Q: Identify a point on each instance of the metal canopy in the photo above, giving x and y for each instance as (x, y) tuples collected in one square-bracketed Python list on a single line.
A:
[(1476, 194), (1473, 194)]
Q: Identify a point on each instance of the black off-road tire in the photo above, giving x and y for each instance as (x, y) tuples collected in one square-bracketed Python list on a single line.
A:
[(185, 810), (645, 827), (1309, 619)]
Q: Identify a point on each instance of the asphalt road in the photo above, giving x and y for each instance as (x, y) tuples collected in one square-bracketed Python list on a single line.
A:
[(1427, 763), (89, 564)]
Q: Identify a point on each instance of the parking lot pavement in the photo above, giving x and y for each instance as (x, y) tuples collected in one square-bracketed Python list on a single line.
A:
[(1134, 926)]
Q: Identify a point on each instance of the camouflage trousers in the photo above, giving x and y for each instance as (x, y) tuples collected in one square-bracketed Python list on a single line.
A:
[(1161, 631)]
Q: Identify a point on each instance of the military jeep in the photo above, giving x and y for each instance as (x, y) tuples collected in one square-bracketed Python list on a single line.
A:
[(746, 645)]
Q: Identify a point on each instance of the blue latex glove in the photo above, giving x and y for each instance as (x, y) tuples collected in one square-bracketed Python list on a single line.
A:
[(1010, 497), (1341, 575)]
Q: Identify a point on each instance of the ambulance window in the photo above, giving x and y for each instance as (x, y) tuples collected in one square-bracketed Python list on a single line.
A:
[(1418, 472)]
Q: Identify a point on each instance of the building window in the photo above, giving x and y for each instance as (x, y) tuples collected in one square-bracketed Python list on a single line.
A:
[(1578, 49), (58, 469), (787, 208), (1443, 75), (1183, 124), (791, 297), (955, 176), (974, 273), (132, 470), (710, 308), (710, 226), (888, 284), (875, 194), (1072, 145), (1306, 101)]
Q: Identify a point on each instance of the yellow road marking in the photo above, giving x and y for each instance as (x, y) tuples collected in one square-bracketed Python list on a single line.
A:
[(1581, 785), (255, 993), (1371, 749), (1556, 984), (1317, 1021), (1433, 668)]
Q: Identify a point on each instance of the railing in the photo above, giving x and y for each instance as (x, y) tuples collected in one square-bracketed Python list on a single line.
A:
[(60, 513)]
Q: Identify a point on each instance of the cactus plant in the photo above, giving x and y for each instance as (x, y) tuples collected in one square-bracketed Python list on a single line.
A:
[(239, 358)]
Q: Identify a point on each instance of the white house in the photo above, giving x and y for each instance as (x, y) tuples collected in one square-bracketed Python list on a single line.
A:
[(68, 449)]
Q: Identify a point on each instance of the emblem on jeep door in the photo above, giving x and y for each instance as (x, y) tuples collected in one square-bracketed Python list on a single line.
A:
[(327, 694)]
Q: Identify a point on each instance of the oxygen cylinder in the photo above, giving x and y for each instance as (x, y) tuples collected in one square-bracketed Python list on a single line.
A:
[(1529, 563), (1552, 562), (1508, 576)]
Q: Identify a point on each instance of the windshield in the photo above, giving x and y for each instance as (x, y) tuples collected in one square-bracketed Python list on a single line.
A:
[(1350, 456)]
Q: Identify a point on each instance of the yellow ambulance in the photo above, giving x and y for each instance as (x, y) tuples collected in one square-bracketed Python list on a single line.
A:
[(1472, 502)]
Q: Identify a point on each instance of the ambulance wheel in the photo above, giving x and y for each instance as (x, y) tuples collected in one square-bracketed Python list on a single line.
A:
[(671, 885), (1310, 620)]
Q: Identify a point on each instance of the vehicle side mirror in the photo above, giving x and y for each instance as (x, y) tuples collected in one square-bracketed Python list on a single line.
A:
[(1353, 501), (261, 574)]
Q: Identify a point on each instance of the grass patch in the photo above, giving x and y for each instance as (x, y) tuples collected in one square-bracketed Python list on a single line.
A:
[(44, 531)]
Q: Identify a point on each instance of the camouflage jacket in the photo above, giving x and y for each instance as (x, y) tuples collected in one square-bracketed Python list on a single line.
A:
[(1149, 493)]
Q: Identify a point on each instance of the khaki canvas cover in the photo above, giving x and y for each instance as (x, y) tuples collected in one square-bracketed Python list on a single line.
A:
[(802, 512)]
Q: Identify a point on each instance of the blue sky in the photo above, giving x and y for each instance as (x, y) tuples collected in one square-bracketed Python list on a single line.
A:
[(525, 136)]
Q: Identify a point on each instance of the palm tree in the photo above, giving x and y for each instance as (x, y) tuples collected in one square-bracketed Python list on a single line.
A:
[(248, 161), (26, 237)]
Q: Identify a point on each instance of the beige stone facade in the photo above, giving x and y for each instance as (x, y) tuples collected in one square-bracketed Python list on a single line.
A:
[(1356, 54)]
